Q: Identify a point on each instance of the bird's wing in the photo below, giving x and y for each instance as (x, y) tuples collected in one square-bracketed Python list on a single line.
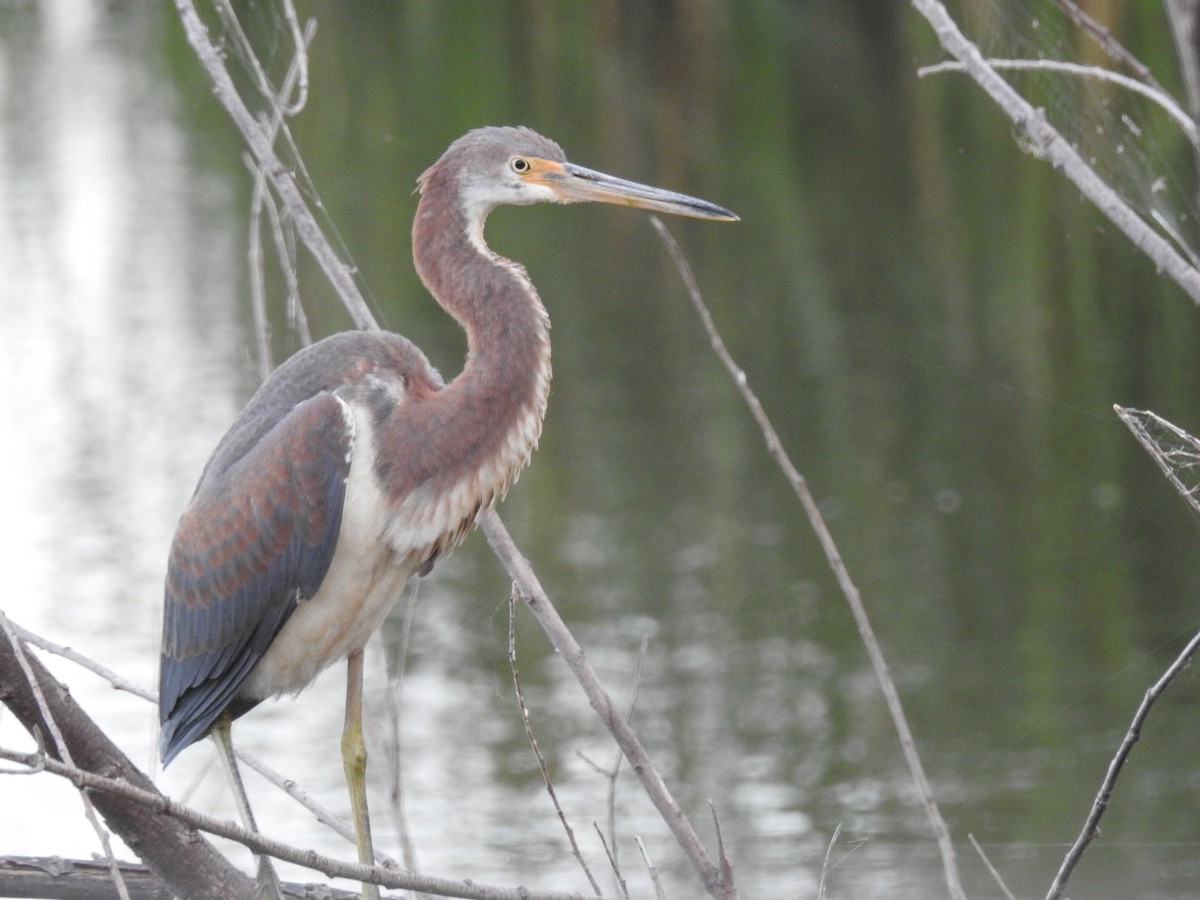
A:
[(257, 537)]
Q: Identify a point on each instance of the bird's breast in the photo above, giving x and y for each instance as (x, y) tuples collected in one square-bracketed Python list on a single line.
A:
[(366, 576)]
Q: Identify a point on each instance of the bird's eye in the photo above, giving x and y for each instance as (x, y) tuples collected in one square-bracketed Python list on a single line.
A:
[(520, 165)]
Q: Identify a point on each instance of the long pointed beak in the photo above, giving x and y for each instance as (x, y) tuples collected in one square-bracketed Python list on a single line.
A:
[(574, 183)]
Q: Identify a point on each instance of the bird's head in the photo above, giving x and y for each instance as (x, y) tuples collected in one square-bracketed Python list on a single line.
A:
[(497, 166)]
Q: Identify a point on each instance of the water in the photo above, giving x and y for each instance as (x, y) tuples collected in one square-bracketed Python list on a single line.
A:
[(938, 330)]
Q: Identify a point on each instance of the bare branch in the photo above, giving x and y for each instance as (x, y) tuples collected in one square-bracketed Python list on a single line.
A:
[(183, 859), (277, 173), (537, 753), (1115, 49), (991, 869), (64, 753), (1043, 140), (834, 557), (572, 654), (659, 893), (296, 791), (612, 864), (825, 866), (1151, 92), (309, 859), (1091, 827)]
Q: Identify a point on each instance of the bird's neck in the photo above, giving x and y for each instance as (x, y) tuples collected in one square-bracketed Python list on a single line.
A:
[(493, 410)]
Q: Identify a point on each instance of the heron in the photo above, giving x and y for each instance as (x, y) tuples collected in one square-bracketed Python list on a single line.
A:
[(355, 466)]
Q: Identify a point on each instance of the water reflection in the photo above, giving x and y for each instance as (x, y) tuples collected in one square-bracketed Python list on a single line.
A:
[(939, 335)]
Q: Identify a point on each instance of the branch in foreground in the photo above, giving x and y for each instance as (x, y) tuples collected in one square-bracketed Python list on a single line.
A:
[(572, 654), (294, 790), (1091, 828), (834, 557), (1155, 95), (1044, 141), (177, 854), (167, 810), (54, 878)]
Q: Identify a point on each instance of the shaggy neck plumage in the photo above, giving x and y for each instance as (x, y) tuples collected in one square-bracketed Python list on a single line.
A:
[(491, 413)]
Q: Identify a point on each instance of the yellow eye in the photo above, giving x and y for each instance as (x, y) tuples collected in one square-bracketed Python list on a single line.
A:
[(520, 165)]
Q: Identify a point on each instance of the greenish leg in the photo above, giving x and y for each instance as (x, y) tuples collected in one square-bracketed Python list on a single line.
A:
[(268, 882), (354, 760)]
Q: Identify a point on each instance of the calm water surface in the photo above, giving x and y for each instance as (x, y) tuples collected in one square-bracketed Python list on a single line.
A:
[(937, 326)]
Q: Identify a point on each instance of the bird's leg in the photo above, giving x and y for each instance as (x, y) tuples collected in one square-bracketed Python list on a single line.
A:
[(268, 882), (354, 760)]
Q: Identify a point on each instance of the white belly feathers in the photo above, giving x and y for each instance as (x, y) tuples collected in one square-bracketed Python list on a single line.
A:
[(365, 578)]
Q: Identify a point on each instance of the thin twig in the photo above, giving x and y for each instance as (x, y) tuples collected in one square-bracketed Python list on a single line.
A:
[(1151, 92), (825, 866), (537, 753), (322, 813), (572, 654), (119, 682), (834, 558), (64, 753), (260, 199), (309, 859), (282, 180), (612, 863), (395, 664), (991, 869), (659, 893), (610, 775), (1115, 49), (1043, 140), (1091, 827)]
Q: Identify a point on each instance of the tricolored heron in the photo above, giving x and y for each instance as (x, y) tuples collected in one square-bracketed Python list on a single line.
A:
[(355, 465)]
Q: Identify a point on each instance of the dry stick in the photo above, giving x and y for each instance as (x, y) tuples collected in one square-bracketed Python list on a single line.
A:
[(825, 867), (1091, 827), (1114, 48), (1043, 140), (659, 893), (610, 775), (296, 79), (1154, 94), (572, 654), (395, 700), (118, 682), (834, 557), (991, 869), (537, 752), (309, 859), (64, 752), (307, 227), (322, 813), (612, 863)]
